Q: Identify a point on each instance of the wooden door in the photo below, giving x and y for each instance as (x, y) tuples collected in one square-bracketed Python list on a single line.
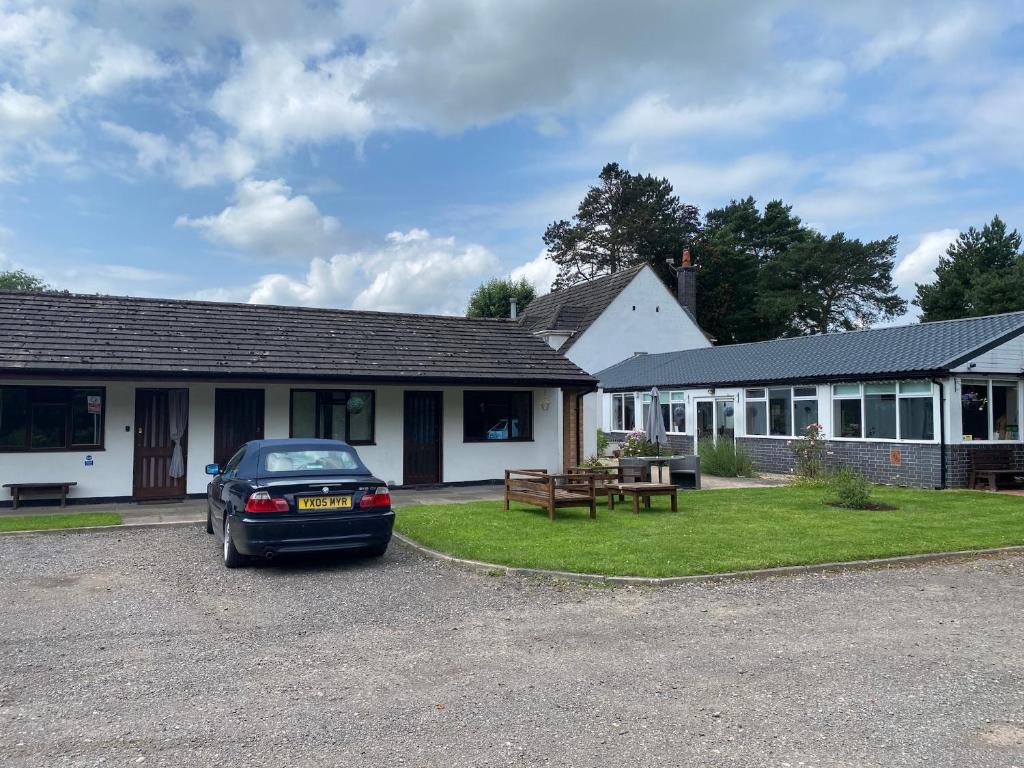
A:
[(154, 447), (423, 427), (237, 419)]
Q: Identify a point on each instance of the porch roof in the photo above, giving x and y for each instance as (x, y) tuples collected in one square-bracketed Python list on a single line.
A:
[(68, 334), (917, 350)]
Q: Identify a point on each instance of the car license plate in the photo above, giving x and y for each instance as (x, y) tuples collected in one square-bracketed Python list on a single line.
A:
[(325, 502)]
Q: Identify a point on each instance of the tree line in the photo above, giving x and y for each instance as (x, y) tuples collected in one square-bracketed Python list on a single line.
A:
[(761, 272)]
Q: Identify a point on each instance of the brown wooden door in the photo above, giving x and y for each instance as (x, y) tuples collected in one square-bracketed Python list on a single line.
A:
[(423, 426), (154, 447), (237, 419)]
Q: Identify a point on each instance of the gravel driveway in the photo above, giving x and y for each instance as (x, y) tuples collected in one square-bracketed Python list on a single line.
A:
[(137, 647)]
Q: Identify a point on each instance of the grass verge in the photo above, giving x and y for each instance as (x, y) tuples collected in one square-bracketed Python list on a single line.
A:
[(718, 531), (73, 520)]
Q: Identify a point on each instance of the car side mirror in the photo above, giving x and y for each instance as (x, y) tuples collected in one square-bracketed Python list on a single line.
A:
[(212, 469)]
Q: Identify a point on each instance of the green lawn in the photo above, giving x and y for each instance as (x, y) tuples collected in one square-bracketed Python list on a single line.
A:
[(718, 531), (75, 520)]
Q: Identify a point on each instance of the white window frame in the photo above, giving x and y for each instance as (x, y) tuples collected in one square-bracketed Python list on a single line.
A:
[(670, 398), (899, 427), (990, 383), (765, 398), (619, 401)]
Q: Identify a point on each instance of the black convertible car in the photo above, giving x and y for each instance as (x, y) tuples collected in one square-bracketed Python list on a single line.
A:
[(296, 495)]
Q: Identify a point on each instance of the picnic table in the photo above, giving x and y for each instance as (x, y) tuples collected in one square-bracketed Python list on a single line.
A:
[(642, 490)]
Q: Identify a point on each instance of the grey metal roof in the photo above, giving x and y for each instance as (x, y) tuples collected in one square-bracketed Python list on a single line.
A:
[(574, 309), (68, 334), (920, 349)]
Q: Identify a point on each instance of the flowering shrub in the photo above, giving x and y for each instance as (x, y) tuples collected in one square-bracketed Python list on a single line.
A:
[(636, 444), (808, 451)]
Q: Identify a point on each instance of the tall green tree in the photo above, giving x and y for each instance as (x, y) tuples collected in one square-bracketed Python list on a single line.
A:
[(825, 284), (494, 298), (20, 280), (627, 219), (981, 273), (738, 241)]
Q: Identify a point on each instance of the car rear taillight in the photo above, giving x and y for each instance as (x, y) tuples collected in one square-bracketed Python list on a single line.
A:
[(379, 497), (261, 501)]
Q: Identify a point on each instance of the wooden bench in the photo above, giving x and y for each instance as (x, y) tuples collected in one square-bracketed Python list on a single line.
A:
[(644, 491), (603, 477), (989, 464), (39, 489), (538, 488)]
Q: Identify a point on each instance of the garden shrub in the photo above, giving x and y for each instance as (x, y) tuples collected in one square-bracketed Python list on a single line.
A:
[(724, 459), (603, 441), (808, 452), (852, 489)]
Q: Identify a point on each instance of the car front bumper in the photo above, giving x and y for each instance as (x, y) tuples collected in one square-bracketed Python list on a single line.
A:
[(273, 535)]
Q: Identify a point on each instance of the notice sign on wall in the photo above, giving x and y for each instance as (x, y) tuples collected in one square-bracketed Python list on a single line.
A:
[(94, 404)]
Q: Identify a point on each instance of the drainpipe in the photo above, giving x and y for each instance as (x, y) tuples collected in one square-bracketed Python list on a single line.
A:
[(942, 433)]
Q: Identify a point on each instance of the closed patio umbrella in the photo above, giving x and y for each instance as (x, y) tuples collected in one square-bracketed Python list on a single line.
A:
[(655, 426)]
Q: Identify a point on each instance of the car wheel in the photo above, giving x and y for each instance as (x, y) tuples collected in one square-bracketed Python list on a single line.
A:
[(209, 518), (232, 557), (377, 550)]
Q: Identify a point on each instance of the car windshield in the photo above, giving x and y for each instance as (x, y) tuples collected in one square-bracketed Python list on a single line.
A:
[(286, 460)]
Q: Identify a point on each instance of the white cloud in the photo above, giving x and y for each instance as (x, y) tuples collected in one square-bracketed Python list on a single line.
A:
[(151, 149), (539, 272), (410, 272), (266, 220), (766, 175), (276, 98), (935, 38), (798, 91), (918, 266), (23, 115), (118, 63)]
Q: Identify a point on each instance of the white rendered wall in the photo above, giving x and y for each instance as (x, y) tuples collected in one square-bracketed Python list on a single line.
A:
[(111, 472), (644, 317)]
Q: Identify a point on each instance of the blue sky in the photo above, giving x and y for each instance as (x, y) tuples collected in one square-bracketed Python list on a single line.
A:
[(393, 155)]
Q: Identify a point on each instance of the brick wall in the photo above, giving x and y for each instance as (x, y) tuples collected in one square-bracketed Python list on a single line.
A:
[(958, 461), (906, 464), (681, 444), (571, 429)]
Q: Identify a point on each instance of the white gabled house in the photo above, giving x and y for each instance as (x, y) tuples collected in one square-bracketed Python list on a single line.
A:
[(609, 319)]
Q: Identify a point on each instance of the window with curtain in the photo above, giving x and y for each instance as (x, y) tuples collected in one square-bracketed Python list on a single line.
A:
[(333, 414), (880, 411), (51, 418)]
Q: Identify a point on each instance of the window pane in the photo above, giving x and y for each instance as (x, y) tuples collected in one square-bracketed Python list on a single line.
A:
[(886, 388), (880, 416), (847, 418), (1004, 411), (780, 420), (846, 390), (757, 417), (86, 417), (360, 417), (629, 407), (974, 411), (915, 387), (755, 394), (331, 423), (805, 392), (497, 416), (666, 417), (678, 417), (678, 397), (49, 425), (916, 418), (13, 417), (645, 410), (303, 414), (725, 412), (805, 413)]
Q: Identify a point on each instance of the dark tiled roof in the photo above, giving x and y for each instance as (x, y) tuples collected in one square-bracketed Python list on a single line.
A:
[(574, 309), (919, 349), (64, 334)]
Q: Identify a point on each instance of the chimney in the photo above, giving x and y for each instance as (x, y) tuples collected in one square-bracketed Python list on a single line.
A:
[(512, 308), (686, 284)]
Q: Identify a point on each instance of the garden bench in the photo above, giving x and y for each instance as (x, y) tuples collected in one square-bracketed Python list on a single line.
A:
[(603, 477), (988, 465), (538, 488), (644, 491), (38, 489)]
